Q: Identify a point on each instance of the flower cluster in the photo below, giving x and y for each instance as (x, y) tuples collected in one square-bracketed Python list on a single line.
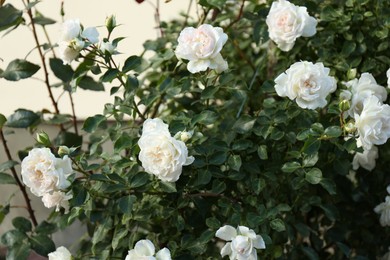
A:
[(372, 117), (202, 46), (384, 210), (161, 154), (287, 22), (242, 242), (73, 39), (309, 84), (47, 177), (144, 249)]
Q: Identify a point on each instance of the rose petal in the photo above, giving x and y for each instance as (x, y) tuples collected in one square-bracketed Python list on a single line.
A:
[(144, 248), (227, 233)]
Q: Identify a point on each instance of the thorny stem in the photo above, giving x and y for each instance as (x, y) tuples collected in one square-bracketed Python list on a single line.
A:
[(20, 184), (55, 105), (238, 16)]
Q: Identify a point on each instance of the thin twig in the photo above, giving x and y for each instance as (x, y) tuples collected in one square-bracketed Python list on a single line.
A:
[(73, 113), (55, 105), (20, 184), (238, 16)]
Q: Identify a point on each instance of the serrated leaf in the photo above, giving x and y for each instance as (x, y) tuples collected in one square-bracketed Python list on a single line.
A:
[(19, 69), (22, 118)]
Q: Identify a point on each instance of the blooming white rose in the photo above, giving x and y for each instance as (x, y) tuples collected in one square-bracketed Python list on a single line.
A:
[(306, 82), (243, 243), (73, 40), (144, 250), (373, 123), (61, 253), (384, 210), (57, 199), (365, 159), (202, 46), (363, 88), (287, 22), (161, 154), (42, 172)]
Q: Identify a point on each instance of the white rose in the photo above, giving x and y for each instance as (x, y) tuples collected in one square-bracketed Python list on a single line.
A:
[(367, 159), (144, 250), (68, 51), (42, 172), (70, 29), (306, 82), (384, 210), (61, 253), (243, 243), (56, 199), (373, 124), (287, 22), (202, 46), (107, 46), (363, 88), (161, 154)]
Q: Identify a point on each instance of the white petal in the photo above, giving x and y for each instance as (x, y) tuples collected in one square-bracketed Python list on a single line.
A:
[(310, 27), (259, 242), (144, 248), (247, 232), (195, 66), (163, 254), (226, 233), (91, 34), (226, 250)]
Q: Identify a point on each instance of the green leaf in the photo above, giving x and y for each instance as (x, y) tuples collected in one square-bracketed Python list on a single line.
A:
[(328, 185), (291, 167), (123, 142), (132, 63), (22, 118), (101, 231), (46, 228), (41, 20), (61, 71), (209, 92), (310, 160), (168, 187), (42, 244), (19, 69), (9, 16), (278, 225), (333, 131), (310, 253), (262, 152), (126, 203), (207, 117), (109, 75), (22, 224), (314, 176), (89, 83), (213, 223), (12, 237), (218, 186), (3, 120), (235, 162), (218, 158), (311, 146), (244, 124), (7, 165), (119, 234), (139, 180), (91, 123), (19, 251)]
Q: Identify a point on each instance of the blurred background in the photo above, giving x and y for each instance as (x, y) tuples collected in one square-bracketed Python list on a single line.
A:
[(138, 23)]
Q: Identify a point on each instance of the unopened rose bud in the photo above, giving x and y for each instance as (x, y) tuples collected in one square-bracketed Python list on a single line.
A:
[(351, 74), (350, 127), (110, 23), (43, 138), (344, 105), (63, 150), (185, 136)]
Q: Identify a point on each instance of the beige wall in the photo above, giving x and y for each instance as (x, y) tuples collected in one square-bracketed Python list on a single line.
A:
[(138, 24)]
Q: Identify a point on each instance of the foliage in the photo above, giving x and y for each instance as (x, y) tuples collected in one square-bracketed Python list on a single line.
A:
[(260, 160)]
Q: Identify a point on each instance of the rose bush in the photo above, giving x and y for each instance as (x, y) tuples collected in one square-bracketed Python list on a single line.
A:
[(270, 157)]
